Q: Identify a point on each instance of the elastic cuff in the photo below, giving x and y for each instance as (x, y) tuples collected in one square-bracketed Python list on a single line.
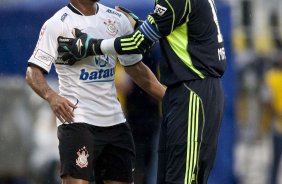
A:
[(107, 46)]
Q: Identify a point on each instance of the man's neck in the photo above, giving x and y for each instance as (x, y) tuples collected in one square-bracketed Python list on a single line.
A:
[(86, 7)]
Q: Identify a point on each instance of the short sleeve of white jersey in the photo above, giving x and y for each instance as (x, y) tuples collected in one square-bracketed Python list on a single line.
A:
[(45, 51), (132, 59)]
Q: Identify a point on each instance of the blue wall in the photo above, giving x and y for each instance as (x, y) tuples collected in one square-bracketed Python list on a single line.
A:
[(19, 32)]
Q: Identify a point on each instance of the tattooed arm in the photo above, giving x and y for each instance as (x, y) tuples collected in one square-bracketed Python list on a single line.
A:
[(61, 107)]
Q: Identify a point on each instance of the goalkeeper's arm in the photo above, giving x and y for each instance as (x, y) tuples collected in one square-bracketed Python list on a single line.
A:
[(136, 43)]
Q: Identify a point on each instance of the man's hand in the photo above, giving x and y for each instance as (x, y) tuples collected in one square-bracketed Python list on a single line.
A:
[(133, 19), (82, 46), (62, 108)]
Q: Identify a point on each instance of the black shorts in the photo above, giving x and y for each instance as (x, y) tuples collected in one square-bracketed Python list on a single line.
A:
[(96, 153), (188, 139)]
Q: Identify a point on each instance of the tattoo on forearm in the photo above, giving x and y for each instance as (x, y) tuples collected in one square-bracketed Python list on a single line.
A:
[(39, 84)]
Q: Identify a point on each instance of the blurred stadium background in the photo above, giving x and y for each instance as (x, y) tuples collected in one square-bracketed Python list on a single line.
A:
[(28, 144)]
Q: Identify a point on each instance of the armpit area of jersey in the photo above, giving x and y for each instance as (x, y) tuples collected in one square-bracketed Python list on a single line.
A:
[(34, 65)]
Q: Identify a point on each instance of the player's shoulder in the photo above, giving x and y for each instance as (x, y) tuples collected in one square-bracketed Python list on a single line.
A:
[(54, 22), (60, 16)]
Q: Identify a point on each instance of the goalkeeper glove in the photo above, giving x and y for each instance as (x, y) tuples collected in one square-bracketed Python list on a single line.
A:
[(82, 46)]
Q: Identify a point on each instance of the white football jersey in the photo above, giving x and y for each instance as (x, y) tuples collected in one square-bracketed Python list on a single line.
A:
[(88, 83)]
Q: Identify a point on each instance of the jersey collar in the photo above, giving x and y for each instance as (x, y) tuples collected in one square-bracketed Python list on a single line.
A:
[(75, 10)]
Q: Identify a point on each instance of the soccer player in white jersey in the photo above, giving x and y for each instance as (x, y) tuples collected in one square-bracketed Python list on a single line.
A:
[(95, 143)]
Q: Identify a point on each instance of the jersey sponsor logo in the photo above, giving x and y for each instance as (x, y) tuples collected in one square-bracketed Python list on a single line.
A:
[(113, 12), (111, 27), (101, 75), (44, 57), (82, 159), (63, 17), (160, 10), (104, 71)]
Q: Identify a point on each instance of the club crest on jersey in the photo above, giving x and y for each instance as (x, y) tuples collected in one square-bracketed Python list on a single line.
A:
[(111, 27), (82, 160), (160, 10)]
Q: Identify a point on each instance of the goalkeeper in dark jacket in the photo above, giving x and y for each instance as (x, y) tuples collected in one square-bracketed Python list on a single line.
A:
[(192, 62)]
